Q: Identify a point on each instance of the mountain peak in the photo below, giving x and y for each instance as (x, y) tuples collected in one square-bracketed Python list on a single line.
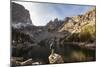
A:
[(20, 14)]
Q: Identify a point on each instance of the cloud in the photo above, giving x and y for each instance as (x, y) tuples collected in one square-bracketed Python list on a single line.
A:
[(42, 13)]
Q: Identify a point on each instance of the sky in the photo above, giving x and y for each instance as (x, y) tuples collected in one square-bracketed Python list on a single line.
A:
[(42, 13)]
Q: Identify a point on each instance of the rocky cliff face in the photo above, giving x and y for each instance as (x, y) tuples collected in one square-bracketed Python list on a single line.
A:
[(77, 22), (21, 24), (20, 14), (54, 25)]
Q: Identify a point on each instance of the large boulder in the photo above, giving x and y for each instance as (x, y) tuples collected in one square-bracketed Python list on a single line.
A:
[(55, 59)]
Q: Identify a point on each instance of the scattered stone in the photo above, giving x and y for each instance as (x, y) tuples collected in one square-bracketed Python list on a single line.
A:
[(36, 63)]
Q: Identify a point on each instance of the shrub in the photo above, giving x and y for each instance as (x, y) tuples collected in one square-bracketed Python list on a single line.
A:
[(88, 33)]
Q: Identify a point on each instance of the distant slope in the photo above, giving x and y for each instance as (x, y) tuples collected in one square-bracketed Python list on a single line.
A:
[(77, 22)]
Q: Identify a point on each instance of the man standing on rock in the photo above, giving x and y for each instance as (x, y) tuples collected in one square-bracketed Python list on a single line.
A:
[(52, 45), (54, 58)]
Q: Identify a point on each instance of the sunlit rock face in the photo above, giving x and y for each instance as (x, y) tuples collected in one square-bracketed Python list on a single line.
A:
[(55, 59), (77, 22)]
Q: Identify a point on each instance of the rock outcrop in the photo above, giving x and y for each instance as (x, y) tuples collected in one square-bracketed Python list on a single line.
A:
[(54, 25), (77, 22), (20, 14), (55, 59)]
